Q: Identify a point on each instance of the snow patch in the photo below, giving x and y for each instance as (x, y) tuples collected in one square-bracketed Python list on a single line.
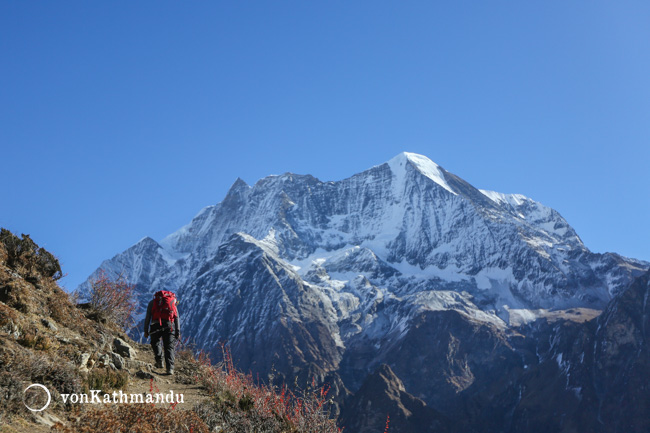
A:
[(171, 256), (514, 200), (451, 273), (171, 241), (487, 277), (423, 164), (440, 300)]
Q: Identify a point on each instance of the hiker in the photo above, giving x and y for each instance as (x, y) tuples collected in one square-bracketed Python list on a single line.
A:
[(165, 327)]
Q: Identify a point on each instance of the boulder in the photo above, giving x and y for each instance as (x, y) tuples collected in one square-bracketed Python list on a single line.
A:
[(49, 324), (46, 419), (104, 361), (118, 361), (83, 363), (137, 365), (141, 374), (122, 348)]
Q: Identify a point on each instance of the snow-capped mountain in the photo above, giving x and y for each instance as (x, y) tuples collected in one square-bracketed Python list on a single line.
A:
[(306, 277), (408, 226)]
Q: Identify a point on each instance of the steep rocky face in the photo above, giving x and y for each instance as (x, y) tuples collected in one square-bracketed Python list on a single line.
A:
[(592, 376), (276, 325), (382, 398), (451, 353), (622, 359), (289, 329), (404, 264)]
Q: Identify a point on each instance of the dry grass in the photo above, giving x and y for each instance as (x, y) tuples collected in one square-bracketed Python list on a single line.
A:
[(20, 367), (136, 419), (8, 319), (32, 340), (105, 379)]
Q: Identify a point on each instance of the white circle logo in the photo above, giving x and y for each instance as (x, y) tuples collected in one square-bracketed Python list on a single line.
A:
[(47, 391)]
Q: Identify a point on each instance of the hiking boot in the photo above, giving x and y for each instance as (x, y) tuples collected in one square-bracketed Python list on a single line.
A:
[(159, 364), (170, 371)]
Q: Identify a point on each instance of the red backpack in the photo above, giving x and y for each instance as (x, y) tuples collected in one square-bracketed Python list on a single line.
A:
[(164, 306)]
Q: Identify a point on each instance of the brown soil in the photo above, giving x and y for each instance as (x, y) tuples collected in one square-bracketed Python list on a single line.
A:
[(182, 382)]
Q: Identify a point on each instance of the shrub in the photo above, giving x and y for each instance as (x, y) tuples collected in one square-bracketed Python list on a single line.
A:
[(8, 319), (112, 299), (33, 341), (239, 404), (106, 379), (62, 310), (11, 394), (24, 255)]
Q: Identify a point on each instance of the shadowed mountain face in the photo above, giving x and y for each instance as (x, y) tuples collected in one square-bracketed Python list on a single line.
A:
[(405, 265), (592, 376), (382, 398)]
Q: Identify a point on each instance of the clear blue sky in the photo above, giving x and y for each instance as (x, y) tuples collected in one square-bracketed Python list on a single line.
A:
[(122, 119)]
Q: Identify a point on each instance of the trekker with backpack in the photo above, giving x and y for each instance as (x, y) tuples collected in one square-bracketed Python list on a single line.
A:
[(165, 327)]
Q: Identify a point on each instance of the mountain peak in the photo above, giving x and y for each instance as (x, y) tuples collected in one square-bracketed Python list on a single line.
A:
[(422, 164), (239, 183), (238, 188)]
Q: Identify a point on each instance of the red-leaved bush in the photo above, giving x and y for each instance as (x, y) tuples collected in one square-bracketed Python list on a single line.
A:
[(112, 299), (239, 404)]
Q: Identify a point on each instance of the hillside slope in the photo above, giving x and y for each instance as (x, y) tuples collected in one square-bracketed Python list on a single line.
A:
[(47, 339)]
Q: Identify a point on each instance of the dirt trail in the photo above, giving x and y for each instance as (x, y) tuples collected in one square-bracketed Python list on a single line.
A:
[(182, 382)]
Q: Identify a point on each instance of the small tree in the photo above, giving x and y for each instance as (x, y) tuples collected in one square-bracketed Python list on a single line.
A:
[(112, 299)]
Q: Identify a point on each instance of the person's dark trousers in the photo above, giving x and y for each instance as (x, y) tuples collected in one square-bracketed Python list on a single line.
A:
[(163, 339)]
